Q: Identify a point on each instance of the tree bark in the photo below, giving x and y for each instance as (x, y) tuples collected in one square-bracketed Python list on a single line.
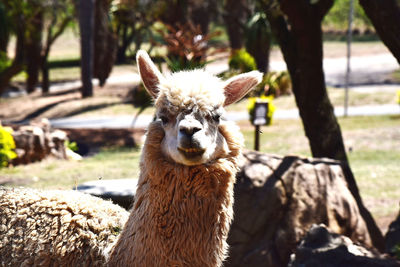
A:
[(200, 14), (258, 41), (4, 29), (86, 23), (235, 18), (45, 76), (33, 50), (385, 16), (105, 43), (18, 61)]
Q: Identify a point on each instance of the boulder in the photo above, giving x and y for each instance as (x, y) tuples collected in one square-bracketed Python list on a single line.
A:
[(119, 191), (277, 199), (90, 139), (321, 248)]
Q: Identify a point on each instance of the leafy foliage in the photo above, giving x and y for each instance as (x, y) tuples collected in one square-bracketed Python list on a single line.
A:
[(71, 145), (4, 61), (242, 61), (7, 146), (337, 18), (187, 47), (274, 83), (278, 83)]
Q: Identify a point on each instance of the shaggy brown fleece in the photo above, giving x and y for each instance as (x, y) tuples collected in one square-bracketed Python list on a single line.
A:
[(56, 228), (182, 214)]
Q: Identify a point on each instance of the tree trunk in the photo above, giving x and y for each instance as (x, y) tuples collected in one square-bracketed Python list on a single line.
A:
[(301, 46), (105, 42), (45, 76), (200, 14), (258, 40), (235, 19), (302, 50), (17, 64), (125, 41), (4, 29), (33, 50), (86, 23), (385, 16)]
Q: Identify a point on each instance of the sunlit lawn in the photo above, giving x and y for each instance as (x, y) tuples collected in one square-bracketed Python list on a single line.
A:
[(60, 174), (373, 145)]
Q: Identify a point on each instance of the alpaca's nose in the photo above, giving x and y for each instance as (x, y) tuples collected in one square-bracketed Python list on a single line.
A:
[(189, 126), (189, 130)]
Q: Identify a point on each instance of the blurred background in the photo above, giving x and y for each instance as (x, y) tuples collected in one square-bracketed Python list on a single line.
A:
[(73, 110)]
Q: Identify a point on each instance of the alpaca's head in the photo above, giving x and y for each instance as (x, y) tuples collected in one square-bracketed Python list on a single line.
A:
[(190, 105)]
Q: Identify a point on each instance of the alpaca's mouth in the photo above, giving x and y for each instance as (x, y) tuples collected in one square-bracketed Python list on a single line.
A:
[(191, 152)]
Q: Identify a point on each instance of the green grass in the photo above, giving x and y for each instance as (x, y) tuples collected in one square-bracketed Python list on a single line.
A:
[(396, 76), (60, 174)]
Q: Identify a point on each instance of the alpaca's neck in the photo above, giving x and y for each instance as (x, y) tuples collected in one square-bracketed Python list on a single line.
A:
[(181, 214)]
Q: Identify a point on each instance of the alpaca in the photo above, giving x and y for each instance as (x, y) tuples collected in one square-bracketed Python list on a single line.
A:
[(183, 208), (56, 228)]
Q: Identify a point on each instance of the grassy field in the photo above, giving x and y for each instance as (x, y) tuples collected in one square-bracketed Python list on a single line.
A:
[(372, 144)]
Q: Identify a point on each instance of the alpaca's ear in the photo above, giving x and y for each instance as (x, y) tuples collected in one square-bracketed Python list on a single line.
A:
[(149, 73), (238, 86)]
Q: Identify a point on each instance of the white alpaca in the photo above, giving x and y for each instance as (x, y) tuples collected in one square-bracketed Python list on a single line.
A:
[(183, 205)]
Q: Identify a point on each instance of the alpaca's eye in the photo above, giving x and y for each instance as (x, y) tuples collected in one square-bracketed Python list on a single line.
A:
[(216, 117), (164, 120)]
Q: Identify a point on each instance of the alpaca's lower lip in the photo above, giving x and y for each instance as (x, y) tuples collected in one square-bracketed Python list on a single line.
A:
[(191, 152)]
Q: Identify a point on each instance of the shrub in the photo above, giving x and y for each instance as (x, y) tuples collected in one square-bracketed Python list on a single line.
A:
[(7, 146), (242, 61), (71, 145), (274, 83), (187, 46)]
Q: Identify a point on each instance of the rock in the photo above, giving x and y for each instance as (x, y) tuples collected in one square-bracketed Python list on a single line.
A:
[(392, 237), (34, 143), (91, 139), (119, 191), (71, 155), (321, 248), (277, 199)]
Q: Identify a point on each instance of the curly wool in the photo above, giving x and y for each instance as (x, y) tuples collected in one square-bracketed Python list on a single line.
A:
[(182, 214), (56, 228)]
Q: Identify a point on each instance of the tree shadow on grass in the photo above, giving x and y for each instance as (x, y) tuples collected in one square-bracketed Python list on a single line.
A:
[(61, 92), (89, 108), (45, 108), (395, 117)]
